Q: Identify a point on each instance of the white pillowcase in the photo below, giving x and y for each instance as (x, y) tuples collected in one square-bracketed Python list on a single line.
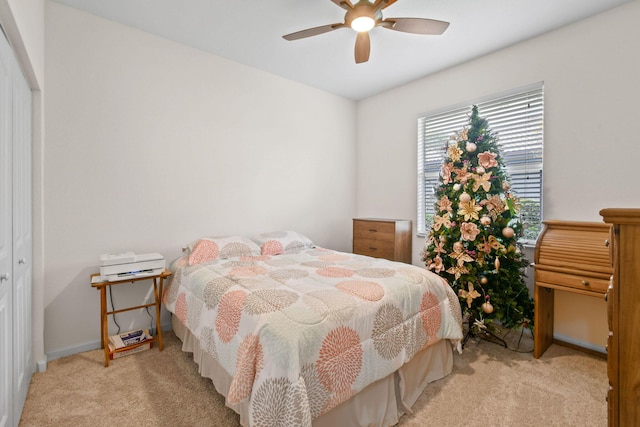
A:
[(280, 242)]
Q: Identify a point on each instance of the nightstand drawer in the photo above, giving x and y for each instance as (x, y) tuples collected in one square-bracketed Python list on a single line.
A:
[(374, 248), (572, 281), (374, 230)]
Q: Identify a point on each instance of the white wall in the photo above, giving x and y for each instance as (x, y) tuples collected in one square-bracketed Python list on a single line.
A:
[(23, 21), (151, 144), (590, 72)]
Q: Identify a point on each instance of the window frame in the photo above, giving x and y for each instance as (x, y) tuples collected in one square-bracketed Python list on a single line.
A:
[(521, 165)]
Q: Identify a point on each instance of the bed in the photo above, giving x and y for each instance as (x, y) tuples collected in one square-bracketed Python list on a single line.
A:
[(294, 335)]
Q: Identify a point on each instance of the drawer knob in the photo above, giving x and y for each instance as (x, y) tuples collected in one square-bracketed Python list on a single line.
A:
[(606, 243), (585, 283), (5, 276), (373, 230)]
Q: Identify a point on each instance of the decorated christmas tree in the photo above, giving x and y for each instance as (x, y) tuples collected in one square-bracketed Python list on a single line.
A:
[(473, 242)]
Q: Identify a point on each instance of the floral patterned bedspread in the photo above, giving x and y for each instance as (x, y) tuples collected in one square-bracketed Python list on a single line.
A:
[(300, 333)]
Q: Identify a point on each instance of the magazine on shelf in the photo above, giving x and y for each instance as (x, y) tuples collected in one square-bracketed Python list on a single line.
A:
[(114, 353), (129, 338)]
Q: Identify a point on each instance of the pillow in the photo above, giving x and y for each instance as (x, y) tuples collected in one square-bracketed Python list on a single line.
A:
[(280, 242), (210, 248)]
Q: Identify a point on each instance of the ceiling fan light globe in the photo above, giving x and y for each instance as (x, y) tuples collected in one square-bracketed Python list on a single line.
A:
[(363, 24)]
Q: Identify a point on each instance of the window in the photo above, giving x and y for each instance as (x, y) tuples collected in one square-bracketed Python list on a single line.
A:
[(517, 120)]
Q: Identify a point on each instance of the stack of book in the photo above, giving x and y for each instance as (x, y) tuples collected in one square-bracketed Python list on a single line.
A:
[(129, 343)]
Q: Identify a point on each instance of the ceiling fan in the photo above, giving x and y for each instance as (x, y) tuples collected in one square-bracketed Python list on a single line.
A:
[(365, 15)]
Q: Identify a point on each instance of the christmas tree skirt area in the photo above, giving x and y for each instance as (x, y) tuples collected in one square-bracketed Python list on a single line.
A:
[(477, 329), (496, 386)]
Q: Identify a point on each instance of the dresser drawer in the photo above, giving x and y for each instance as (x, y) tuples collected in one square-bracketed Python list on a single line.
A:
[(609, 297), (374, 248), (611, 353), (374, 230), (572, 281), (383, 238)]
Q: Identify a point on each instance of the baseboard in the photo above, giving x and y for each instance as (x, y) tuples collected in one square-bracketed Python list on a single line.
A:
[(41, 365), (81, 348), (594, 350)]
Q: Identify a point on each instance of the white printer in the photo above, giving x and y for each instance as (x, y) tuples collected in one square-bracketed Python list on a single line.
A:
[(128, 265)]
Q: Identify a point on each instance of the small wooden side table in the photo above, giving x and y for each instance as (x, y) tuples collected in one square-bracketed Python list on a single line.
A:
[(158, 280)]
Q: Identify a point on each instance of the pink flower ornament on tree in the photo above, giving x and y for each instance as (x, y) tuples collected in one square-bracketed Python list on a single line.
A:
[(469, 231), (487, 159)]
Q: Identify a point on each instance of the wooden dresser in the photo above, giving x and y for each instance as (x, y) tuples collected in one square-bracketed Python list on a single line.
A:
[(569, 256), (383, 238), (623, 309)]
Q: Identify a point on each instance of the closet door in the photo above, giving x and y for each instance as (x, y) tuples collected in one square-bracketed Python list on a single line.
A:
[(22, 240), (6, 250), (16, 356)]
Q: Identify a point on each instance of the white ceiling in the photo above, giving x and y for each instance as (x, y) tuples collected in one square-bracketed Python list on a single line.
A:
[(250, 32)]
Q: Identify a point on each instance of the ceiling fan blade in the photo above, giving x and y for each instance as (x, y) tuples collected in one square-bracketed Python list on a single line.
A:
[(363, 47), (312, 31), (415, 25), (382, 4), (345, 4)]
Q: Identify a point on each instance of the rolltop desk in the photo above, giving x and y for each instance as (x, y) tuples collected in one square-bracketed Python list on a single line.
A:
[(573, 257)]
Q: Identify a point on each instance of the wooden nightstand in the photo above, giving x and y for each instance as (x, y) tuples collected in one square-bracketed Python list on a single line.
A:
[(104, 324), (383, 238)]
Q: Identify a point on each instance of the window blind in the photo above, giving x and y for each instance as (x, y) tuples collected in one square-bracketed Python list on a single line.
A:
[(517, 120)]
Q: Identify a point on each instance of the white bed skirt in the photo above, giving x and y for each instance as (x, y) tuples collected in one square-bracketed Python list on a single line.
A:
[(380, 404)]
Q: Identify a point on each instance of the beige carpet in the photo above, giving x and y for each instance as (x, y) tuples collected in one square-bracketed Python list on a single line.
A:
[(489, 386)]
